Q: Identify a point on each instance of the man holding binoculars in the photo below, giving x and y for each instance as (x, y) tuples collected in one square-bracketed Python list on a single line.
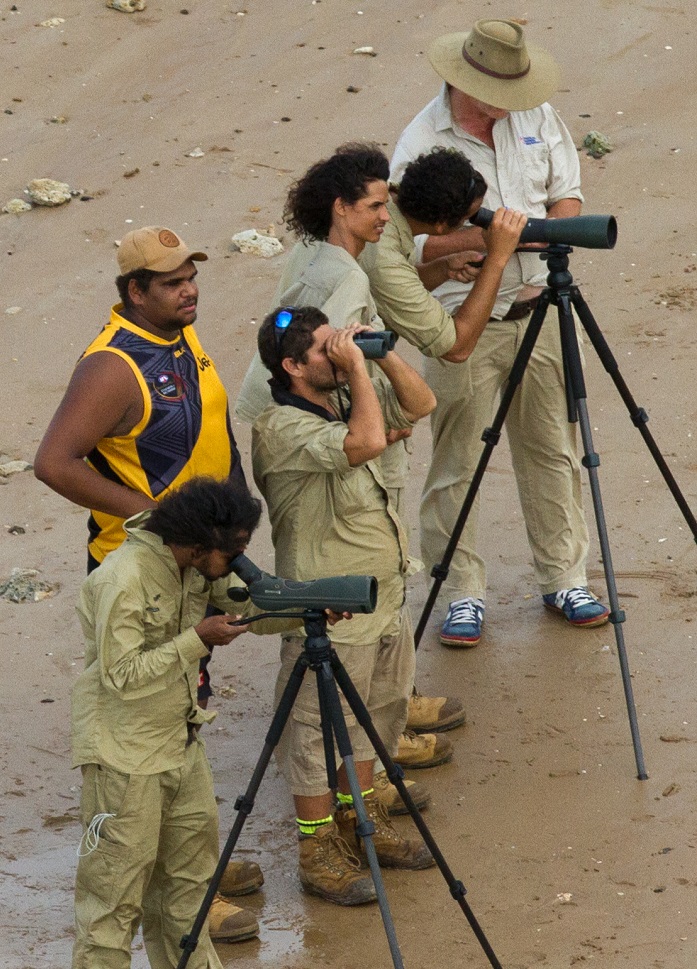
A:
[(314, 453)]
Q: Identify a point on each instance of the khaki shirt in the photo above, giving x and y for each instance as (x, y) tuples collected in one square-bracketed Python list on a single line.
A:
[(534, 164), (402, 300), (132, 702), (328, 518)]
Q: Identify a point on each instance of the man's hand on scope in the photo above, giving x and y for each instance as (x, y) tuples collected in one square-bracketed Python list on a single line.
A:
[(503, 234), (463, 267), (218, 630), (334, 617)]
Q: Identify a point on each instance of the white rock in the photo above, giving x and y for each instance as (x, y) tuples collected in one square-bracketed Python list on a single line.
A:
[(195, 153), (257, 244), (11, 310), (53, 22), (126, 6), (15, 206), (13, 467), (370, 51), (46, 191)]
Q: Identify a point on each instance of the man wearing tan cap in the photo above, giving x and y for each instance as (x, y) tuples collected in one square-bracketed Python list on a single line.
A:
[(144, 412), (492, 107)]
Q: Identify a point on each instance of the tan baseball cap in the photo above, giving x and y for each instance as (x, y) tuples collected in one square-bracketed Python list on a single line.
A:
[(154, 248)]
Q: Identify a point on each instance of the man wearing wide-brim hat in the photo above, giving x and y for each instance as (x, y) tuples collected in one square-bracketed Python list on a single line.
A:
[(493, 108)]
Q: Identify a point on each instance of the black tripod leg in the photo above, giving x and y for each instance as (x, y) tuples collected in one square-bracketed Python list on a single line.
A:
[(396, 775), (491, 437), (364, 827), (638, 415), (245, 803), (591, 460)]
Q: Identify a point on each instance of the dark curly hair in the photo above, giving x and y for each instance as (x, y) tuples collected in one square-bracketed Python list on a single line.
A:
[(207, 513), (439, 186), (345, 176), (295, 340)]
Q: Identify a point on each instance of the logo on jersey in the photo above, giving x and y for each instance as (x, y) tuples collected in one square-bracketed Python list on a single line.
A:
[(530, 140), (169, 385)]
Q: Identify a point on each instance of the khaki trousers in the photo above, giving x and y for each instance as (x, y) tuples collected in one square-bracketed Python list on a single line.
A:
[(543, 449), (382, 673), (152, 864)]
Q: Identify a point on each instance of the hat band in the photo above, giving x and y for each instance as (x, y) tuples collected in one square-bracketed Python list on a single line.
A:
[(485, 70)]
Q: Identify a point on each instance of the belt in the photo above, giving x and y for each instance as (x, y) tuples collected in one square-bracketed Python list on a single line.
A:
[(517, 311)]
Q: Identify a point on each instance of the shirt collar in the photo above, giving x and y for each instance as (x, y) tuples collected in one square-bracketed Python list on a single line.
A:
[(284, 397)]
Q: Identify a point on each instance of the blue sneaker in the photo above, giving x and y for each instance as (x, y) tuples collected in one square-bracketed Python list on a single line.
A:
[(463, 624), (578, 607)]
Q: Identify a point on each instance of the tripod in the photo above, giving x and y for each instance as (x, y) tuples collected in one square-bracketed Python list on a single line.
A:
[(564, 294), (319, 657)]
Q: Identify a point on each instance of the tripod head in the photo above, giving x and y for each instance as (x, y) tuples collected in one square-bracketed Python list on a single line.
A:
[(340, 593)]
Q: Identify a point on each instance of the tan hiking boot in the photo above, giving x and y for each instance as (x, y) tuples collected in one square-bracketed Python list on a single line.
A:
[(329, 868), (240, 878), (422, 750), (431, 714), (388, 795), (227, 922), (392, 849)]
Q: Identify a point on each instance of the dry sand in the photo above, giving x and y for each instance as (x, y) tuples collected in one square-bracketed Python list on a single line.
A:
[(568, 858)]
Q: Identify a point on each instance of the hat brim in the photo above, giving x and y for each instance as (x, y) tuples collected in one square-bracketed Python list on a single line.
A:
[(176, 258), (538, 85)]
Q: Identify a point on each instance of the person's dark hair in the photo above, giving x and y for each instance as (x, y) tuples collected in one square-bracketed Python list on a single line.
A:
[(207, 513), (295, 340), (345, 176), (142, 278), (439, 186)]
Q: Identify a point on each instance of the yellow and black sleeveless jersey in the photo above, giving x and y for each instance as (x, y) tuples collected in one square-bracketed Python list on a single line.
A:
[(185, 430)]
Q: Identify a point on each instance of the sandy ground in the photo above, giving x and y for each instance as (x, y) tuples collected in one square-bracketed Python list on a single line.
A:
[(568, 858)]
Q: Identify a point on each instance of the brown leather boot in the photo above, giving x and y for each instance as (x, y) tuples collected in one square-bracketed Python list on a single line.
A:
[(329, 868), (392, 849), (229, 923), (432, 714), (388, 794), (241, 878), (422, 750)]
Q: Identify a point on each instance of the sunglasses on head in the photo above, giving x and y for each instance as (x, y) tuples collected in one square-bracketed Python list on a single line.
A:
[(283, 319)]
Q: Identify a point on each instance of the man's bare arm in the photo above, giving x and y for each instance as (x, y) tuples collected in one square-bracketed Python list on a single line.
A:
[(103, 399), (415, 397)]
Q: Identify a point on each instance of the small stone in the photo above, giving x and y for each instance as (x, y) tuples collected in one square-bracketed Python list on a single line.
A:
[(370, 51), (17, 530), (58, 119), (597, 144), (24, 585), (126, 6), (14, 467), (257, 244), (352, 90), (11, 310), (16, 206), (195, 153), (52, 22), (46, 191)]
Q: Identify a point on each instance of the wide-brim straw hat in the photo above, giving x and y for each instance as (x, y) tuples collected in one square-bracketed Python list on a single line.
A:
[(494, 64)]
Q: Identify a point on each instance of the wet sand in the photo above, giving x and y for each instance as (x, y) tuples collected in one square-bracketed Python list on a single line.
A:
[(568, 859)]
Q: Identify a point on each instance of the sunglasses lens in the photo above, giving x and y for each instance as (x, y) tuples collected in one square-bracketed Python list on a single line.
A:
[(283, 319)]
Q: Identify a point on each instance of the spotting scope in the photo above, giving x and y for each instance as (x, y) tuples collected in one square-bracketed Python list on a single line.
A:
[(340, 593), (587, 231)]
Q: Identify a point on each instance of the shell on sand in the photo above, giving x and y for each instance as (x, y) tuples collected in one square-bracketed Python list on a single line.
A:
[(46, 191)]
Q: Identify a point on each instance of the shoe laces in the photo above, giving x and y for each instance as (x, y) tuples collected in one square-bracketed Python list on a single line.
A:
[(465, 611), (577, 597), (334, 845)]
